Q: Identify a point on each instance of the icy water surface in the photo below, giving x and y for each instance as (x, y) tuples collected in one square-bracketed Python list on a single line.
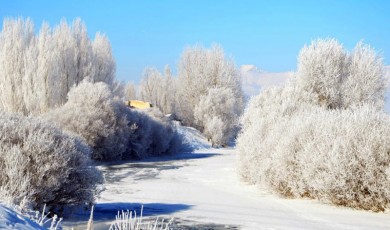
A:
[(123, 175)]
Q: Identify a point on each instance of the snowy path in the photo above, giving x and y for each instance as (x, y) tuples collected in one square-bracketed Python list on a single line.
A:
[(203, 187)]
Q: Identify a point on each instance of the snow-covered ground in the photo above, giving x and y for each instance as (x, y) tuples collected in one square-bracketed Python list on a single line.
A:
[(10, 219), (204, 188)]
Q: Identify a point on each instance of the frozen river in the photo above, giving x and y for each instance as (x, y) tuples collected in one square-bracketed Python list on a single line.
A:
[(202, 190)]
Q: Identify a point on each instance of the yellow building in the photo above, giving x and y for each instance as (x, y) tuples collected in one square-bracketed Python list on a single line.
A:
[(139, 104)]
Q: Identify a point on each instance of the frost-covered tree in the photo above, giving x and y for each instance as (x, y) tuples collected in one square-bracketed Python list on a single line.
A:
[(322, 135), (366, 80), (158, 89), (322, 69), (168, 92), (150, 89), (103, 68), (199, 71), (15, 39), (341, 79), (130, 91), (217, 115), (40, 164), (37, 70)]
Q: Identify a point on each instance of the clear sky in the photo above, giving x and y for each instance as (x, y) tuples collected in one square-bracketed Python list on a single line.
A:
[(265, 33)]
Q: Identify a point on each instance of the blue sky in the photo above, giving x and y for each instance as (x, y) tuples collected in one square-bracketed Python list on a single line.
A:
[(268, 34)]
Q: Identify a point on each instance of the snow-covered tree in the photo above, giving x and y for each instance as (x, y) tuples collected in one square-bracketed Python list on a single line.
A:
[(103, 69), (15, 39), (38, 70), (130, 91), (168, 92), (150, 86), (158, 89), (217, 115), (366, 80), (202, 69), (341, 79)]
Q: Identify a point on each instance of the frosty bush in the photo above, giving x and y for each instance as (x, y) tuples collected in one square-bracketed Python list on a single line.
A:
[(153, 135), (323, 135), (40, 164), (111, 129), (338, 156), (92, 113)]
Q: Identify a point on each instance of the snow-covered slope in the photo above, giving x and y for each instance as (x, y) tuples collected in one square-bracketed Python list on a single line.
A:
[(192, 138), (10, 219)]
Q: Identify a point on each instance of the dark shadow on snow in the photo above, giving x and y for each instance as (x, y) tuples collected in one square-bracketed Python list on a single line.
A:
[(108, 211), (176, 157), (149, 168)]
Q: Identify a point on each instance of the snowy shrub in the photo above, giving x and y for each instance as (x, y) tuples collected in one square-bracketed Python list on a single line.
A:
[(336, 156), (264, 113), (216, 114), (214, 128), (324, 134), (40, 164), (153, 134), (92, 113), (111, 129)]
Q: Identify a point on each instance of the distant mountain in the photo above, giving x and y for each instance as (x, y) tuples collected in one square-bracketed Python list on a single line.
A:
[(254, 79)]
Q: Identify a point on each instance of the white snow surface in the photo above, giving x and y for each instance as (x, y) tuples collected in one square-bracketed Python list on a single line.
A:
[(11, 219), (204, 188), (192, 138)]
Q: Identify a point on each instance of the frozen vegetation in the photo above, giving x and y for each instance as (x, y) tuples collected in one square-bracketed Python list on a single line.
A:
[(61, 108), (206, 94), (324, 134), (40, 164), (113, 131)]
